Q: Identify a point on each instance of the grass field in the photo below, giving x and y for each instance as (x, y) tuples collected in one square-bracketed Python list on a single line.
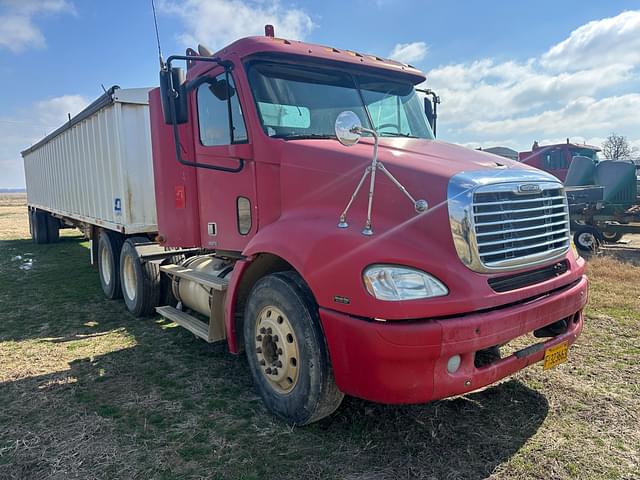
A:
[(88, 391)]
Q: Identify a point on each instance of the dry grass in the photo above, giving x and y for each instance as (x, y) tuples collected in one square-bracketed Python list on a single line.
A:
[(87, 391)]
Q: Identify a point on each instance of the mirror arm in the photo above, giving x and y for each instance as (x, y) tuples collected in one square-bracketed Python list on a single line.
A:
[(228, 66)]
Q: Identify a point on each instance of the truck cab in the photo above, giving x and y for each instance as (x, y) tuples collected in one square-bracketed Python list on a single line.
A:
[(359, 254), (556, 158)]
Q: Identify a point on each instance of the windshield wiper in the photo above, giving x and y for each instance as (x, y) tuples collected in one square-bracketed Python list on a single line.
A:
[(304, 136), (397, 134)]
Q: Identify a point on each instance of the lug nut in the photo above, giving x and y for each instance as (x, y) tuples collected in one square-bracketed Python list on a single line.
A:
[(259, 338), (259, 350), (274, 371), (279, 364), (263, 330), (275, 338), (269, 330), (268, 371), (279, 351)]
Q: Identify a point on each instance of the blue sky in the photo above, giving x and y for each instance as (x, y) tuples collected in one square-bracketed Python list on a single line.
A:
[(508, 72)]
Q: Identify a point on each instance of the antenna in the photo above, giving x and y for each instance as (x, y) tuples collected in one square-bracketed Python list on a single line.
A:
[(155, 22)]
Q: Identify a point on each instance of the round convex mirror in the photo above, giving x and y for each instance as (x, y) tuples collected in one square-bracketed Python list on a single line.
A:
[(348, 128)]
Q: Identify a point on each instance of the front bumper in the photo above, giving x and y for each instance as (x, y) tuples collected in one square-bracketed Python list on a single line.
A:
[(406, 362)]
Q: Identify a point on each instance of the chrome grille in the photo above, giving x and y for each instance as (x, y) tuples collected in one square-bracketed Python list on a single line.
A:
[(512, 228)]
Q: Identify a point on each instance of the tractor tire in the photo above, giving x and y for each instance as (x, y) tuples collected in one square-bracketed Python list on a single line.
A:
[(141, 281), (287, 352)]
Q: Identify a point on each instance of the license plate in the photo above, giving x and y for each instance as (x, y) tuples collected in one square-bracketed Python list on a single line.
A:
[(554, 356)]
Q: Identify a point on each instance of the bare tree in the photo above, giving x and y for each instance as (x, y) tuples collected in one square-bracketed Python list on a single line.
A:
[(617, 147)]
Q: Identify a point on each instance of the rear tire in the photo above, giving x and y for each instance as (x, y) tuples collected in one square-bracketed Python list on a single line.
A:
[(109, 246), (141, 281), (302, 390), (53, 229), (40, 227), (612, 237)]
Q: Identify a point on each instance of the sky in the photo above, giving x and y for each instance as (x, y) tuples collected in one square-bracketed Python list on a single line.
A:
[(508, 72)]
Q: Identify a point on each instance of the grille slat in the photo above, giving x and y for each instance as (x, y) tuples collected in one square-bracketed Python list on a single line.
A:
[(520, 210), (484, 204), (523, 239), (523, 229), (512, 228)]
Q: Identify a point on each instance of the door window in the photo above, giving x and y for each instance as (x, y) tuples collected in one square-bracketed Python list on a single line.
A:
[(213, 98)]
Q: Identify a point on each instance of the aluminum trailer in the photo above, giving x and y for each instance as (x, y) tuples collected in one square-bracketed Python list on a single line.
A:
[(96, 170)]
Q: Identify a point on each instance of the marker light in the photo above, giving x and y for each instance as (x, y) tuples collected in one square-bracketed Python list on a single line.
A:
[(394, 283)]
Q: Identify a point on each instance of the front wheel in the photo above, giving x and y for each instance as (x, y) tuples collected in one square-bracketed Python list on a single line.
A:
[(587, 238), (286, 350)]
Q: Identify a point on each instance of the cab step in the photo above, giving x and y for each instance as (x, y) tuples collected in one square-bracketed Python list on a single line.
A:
[(216, 283), (195, 326)]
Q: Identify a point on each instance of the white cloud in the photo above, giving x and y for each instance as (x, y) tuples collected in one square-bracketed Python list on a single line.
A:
[(17, 29), (562, 93), (597, 43), (27, 127), (215, 23), (409, 52)]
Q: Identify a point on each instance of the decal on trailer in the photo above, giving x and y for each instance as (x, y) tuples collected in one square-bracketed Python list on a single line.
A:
[(117, 206)]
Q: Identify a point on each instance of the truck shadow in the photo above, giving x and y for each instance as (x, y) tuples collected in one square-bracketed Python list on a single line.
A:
[(161, 403), (194, 406)]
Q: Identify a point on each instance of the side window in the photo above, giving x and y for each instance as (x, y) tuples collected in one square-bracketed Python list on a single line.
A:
[(554, 159), (213, 113)]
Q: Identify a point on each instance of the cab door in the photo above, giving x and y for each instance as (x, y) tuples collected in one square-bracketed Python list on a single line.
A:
[(226, 175)]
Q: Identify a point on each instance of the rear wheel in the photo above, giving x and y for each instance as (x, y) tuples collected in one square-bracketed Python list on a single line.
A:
[(287, 352), (612, 237), (109, 246), (140, 280), (53, 229), (40, 227)]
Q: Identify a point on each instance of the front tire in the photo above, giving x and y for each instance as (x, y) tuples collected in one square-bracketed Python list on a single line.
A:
[(140, 281), (286, 350), (587, 238), (109, 246)]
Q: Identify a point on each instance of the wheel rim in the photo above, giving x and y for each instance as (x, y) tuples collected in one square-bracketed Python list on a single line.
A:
[(129, 277), (277, 349), (609, 235), (105, 264), (586, 239)]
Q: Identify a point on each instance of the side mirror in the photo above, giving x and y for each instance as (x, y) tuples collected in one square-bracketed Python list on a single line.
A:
[(428, 111), (176, 77), (348, 128)]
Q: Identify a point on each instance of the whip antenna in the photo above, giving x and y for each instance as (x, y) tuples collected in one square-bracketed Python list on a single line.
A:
[(155, 22)]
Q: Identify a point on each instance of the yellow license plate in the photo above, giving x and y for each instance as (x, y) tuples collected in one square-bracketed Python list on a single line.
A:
[(554, 356)]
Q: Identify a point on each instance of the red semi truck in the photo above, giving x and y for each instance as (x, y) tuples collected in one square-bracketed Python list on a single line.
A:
[(556, 158), (307, 216)]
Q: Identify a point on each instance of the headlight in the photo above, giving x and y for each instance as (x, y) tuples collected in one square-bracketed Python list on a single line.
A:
[(393, 283)]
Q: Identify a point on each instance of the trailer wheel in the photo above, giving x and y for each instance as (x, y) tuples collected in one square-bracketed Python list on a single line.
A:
[(40, 227), (587, 238), (286, 350), (109, 246), (140, 280), (612, 237), (53, 229)]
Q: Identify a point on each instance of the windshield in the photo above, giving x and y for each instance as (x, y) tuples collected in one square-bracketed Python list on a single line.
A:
[(303, 102), (584, 152)]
